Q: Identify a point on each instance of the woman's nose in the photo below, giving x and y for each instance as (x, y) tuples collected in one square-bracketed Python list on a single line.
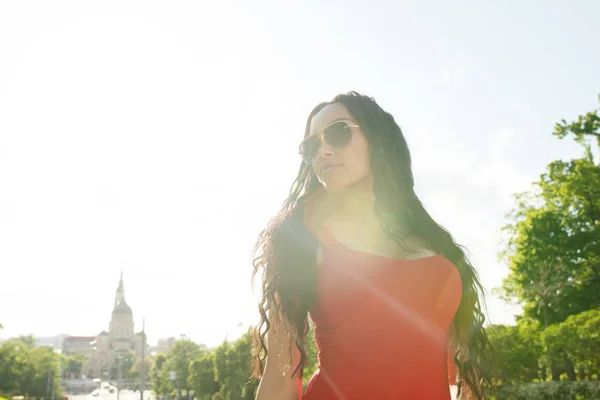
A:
[(325, 150)]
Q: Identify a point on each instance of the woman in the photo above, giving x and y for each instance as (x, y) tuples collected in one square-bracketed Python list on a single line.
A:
[(394, 301)]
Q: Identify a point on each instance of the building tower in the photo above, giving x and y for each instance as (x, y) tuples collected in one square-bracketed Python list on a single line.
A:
[(121, 322)]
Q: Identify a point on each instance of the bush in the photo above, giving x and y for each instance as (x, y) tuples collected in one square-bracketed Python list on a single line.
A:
[(564, 390)]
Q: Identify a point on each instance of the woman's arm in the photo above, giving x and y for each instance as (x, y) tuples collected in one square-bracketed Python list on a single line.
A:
[(277, 382), (452, 369)]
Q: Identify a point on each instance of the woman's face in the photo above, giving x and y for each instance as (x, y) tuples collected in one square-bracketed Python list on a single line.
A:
[(340, 167)]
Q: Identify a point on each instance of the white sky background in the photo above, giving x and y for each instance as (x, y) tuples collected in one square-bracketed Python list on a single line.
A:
[(159, 138)]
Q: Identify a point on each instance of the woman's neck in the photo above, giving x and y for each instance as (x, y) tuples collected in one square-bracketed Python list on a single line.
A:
[(354, 205)]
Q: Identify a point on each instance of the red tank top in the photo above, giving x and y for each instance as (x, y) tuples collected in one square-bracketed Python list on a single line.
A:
[(382, 326)]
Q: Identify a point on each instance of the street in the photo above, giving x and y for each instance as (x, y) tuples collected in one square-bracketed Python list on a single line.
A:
[(131, 395), (106, 395)]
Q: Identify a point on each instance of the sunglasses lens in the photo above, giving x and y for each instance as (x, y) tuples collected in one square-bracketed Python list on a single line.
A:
[(309, 148), (336, 135)]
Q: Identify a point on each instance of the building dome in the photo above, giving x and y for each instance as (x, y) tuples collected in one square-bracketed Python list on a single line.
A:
[(122, 308)]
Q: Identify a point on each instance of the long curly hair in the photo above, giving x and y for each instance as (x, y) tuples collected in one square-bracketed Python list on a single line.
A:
[(285, 253)]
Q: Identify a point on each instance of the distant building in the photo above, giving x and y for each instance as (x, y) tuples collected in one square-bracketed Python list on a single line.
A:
[(56, 342), (84, 345), (164, 345), (102, 351)]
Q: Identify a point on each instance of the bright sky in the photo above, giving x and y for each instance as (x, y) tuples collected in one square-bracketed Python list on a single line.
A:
[(158, 138)]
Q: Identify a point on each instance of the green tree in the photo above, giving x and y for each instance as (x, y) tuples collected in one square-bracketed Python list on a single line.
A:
[(28, 340), (25, 370), (127, 361), (232, 369), (202, 376), (223, 374), (538, 274), (179, 358), (574, 345), (556, 348), (73, 364), (311, 355), (553, 248), (160, 382), (14, 366), (517, 351), (123, 362), (241, 362), (587, 353), (137, 366), (586, 126), (44, 362), (553, 245)]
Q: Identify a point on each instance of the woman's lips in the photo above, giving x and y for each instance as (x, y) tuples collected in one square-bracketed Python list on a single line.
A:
[(328, 168)]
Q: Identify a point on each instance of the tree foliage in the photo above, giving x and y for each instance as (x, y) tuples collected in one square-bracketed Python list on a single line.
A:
[(517, 351), (202, 377), (575, 345), (232, 369), (73, 365), (159, 375), (127, 361), (553, 246), (586, 126), (146, 364), (553, 253), (178, 360), (222, 372), (25, 370)]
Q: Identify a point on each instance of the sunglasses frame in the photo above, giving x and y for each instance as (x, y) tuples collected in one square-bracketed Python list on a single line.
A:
[(321, 133)]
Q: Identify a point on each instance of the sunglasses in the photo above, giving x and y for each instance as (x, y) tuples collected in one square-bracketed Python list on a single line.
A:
[(336, 135)]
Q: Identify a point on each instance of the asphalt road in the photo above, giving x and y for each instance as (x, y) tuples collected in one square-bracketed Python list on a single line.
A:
[(106, 395), (131, 395)]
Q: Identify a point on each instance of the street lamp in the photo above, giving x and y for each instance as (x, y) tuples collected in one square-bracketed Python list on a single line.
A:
[(119, 375), (173, 377), (142, 376)]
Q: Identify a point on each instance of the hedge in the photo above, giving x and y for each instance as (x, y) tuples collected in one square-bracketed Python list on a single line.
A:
[(563, 390)]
